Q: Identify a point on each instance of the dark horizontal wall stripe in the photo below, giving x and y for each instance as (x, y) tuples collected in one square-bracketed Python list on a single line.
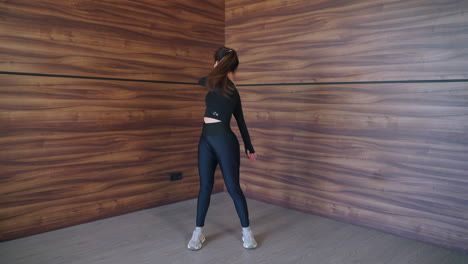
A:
[(77, 150), (246, 84), (370, 82), (90, 77), (148, 39)]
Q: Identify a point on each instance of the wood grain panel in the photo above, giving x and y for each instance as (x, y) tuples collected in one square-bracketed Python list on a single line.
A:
[(149, 39), (76, 150), (388, 156), (354, 40)]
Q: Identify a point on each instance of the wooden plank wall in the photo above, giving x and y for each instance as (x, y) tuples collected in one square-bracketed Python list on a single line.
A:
[(358, 111), (354, 40), (149, 39), (87, 146)]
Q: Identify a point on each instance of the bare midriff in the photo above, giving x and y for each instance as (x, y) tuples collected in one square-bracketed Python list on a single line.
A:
[(209, 120)]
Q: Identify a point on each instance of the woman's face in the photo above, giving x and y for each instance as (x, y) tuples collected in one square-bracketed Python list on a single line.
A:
[(216, 64)]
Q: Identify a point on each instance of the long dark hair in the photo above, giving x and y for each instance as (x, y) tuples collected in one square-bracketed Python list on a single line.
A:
[(217, 80)]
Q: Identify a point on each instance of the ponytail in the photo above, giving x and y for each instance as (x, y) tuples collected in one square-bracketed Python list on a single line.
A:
[(217, 80)]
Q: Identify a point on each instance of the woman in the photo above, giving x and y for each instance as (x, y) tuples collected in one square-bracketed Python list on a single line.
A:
[(219, 145)]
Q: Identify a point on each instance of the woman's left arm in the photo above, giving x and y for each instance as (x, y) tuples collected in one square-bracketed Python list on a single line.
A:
[(202, 81)]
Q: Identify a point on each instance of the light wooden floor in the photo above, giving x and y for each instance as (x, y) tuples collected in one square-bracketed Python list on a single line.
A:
[(159, 235)]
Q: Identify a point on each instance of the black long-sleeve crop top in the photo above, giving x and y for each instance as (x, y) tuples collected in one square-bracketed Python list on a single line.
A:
[(222, 108)]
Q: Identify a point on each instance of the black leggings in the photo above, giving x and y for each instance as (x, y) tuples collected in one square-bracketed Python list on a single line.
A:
[(219, 145)]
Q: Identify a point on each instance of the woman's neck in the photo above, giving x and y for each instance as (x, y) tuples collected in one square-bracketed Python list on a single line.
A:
[(231, 76)]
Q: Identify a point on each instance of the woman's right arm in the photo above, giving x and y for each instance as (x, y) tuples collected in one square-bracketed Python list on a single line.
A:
[(239, 115)]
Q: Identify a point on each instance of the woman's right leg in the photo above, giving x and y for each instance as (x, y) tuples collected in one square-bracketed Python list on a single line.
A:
[(207, 163)]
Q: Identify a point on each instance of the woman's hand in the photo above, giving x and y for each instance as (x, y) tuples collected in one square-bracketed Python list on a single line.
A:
[(251, 156)]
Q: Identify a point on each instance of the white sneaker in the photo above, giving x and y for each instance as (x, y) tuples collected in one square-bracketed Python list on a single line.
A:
[(198, 238), (249, 240)]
